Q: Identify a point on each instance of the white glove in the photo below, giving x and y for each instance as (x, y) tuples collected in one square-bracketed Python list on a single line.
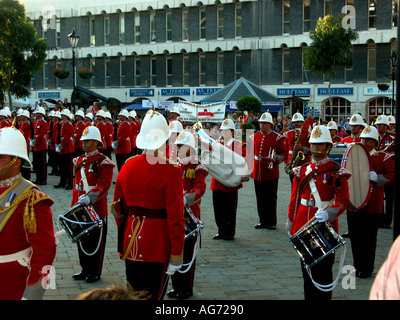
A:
[(84, 199), (373, 176), (32, 143), (171, 269), (59, 148), (322, 215), (114, 144)]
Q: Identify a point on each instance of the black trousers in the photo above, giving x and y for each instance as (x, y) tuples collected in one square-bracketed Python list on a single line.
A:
[(40, 165), (26, 172), (149, 276), (66, 169), (322, 274), (92, 264), (266, 195), (184, 281), (385, 220), (225, 206), (363, 231), (121, 158), (53, 161)]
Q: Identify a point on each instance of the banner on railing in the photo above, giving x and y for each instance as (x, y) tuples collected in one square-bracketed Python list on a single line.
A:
[(192, 112)]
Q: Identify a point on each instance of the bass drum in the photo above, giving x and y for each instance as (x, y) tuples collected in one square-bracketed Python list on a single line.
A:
[(356, 160)]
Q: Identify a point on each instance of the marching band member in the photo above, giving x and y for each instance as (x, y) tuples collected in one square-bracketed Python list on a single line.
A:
[(65, 149), (148, 208), (317, 185), (52, 138), (92, 181), (109, 136), (225, 198), (392, 124), (386, 144), (269, 151), (79, 126), (175, 127), (297, 141), (25, 127), (194, 187), (88, 119), (39, 146), (363, 223), (101, 125), (174, 115), (135, 132), (333, 129), (4, 121), (27, 243), (122, 145), (356, 124)]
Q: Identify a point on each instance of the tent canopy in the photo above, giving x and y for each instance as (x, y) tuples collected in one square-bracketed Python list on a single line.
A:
[(243, 87)]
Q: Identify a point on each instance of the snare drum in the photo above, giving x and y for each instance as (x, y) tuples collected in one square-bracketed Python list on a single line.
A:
[(192, 224), (79, 221), (315, 242)]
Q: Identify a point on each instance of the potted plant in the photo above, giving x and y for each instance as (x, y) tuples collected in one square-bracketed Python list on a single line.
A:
[(85, 73), (61, 73), (383, 86)]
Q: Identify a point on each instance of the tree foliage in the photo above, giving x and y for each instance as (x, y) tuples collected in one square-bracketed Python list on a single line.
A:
[(249, 103), (21, 54)]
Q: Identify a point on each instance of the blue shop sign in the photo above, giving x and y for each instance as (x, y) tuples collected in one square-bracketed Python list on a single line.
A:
[(297, 91), (336, 91), (175, 92), (206, 91), (49, 95), (141, 92)]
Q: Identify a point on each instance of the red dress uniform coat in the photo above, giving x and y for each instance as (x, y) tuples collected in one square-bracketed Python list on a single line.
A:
[(336, 139), (103, 132), (110, 132), (262, 145), (97, 178), (14, 276), (25, 128), (53, 136), (157, 186), (351, 139), (291, 137), (123, 138), (133, 134), (4, 123), (387, 141), (40, 129), (66, 134), (78, 130), (239, 148), (331, 185)]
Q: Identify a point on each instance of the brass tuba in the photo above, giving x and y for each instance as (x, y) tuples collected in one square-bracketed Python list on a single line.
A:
[(295, 157)]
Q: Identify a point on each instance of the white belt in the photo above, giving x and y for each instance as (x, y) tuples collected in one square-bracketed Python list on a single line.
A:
[(22, 257), (311, 203)]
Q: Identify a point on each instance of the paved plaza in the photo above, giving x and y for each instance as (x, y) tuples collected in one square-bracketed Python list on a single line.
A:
[(256, 265)]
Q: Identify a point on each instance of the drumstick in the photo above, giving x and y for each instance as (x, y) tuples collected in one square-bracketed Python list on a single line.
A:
[(313, 218), (83, 195)]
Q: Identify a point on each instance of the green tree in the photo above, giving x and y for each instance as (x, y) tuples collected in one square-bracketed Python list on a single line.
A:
[(249, 103), (330, 48), (21, 54)]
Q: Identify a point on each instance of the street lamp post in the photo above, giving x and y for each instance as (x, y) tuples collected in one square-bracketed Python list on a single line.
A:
[(393, 61), (73, 41)]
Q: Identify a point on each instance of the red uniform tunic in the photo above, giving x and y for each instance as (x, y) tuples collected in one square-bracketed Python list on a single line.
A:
[(157, 187), (336, 139), (123, 138), (4, 123), (78, 130), (351, 139), (94, 173), (101, 125), (291, 137), (331, 182), (387, 141), (66, 134), (110, 131), (15, 276), (133, 134), (25, 128), (52, 136), (262, 146), (40, 129)]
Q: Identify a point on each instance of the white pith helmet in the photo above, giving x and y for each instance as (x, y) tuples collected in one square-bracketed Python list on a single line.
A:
[(3, 113), (80, 113), (154, 131), (57, 114), (370, 132), (124, 113), (391, 120), (89, 115), (227, 124), (175, 126), (320, 134), (101, 113), (40, 110), (108, 115), (13, 143), (132, 114), (92, 133), (382, 119), (186, 138), (24, 113), (356, 120), (332, 125), (266, 117), (174, 109), (297, 117), (67, 113)]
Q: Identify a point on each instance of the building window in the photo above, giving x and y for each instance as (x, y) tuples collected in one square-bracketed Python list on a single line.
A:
[(328, 7), (286, 17), (202, 25), (58, 32), (152, 26), (168, 26), (238, 20), (306, 16), (58, 65), (341, 108), (238, 64), (92, 65), (121, 28), (153, 71), (136, 72), (304, 72), (202, 69), (220, 21), (45, 75), (168, 71), (372, 14), (371, 62), (106, 30), (220, 68), (285, 65), (92, 32), (348, 70), (378, 106), (137, 27), (122, 71), (395, 12), (107, 72), (185, 69), (185, 24)]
